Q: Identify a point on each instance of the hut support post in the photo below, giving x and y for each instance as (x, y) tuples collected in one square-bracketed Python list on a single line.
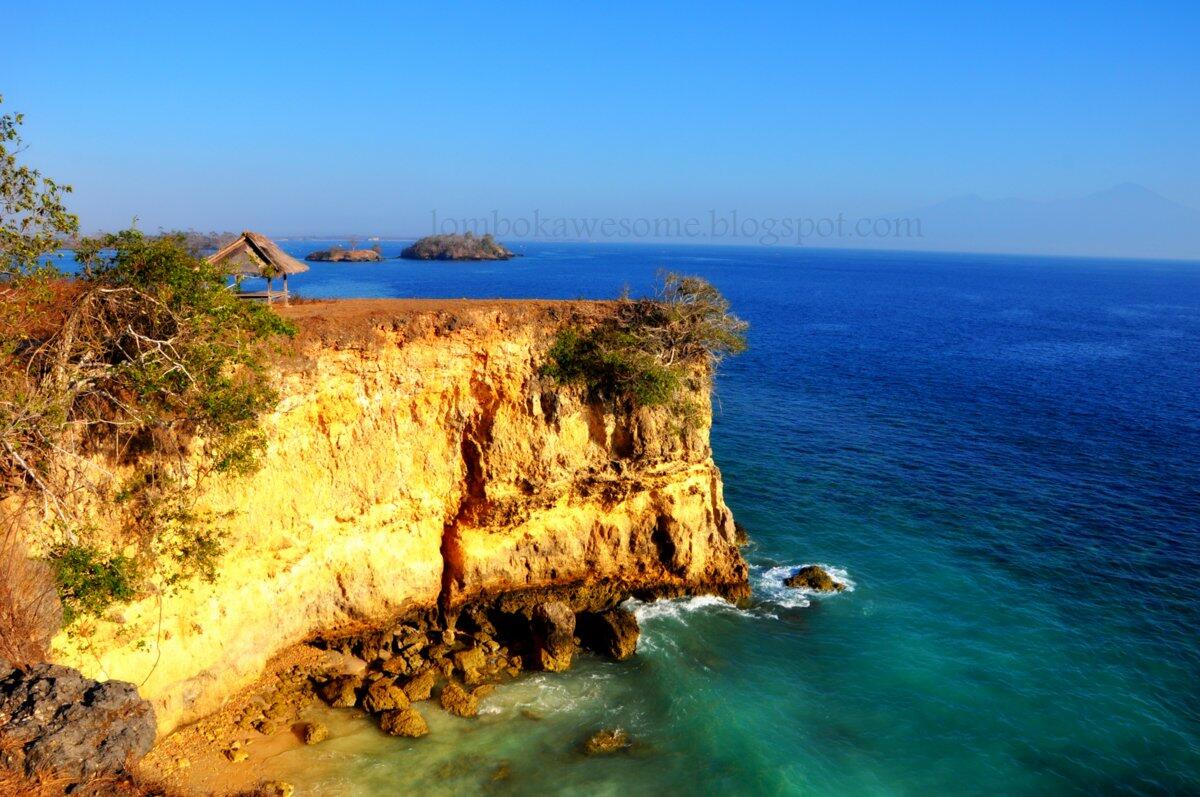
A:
[(285, 292)]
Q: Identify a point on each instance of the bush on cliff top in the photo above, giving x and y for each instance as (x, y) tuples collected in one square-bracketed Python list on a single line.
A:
[(648, 350)]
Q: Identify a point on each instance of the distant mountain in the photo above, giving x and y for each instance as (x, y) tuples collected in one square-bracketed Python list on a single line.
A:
[(1127, 220)]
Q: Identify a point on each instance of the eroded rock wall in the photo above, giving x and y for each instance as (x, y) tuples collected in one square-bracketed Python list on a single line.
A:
[(417, 461)]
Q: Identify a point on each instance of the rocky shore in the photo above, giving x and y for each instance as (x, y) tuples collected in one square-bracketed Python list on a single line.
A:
[(397, 674), (417, 659), (418, 462)]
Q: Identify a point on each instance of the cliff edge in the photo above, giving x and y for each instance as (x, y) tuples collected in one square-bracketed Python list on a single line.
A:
[(418, 461)]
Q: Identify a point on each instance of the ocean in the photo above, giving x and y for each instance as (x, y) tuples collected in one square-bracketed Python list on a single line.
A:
[(1002, 454)]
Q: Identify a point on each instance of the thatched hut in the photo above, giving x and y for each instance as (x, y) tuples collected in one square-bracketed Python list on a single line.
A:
[(255, 255)]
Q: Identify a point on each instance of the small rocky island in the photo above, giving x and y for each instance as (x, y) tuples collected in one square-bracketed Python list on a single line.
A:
[(337, 254), (457, 247)]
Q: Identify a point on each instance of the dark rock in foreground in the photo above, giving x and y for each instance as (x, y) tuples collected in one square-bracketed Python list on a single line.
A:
[(814, 577), (456, 247), (58, 721), (613, 633)]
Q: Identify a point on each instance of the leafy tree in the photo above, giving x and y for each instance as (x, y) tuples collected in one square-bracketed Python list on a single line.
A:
[(33, 217)]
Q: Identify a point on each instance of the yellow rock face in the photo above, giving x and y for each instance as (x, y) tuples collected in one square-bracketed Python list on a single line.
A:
[(421, 458)]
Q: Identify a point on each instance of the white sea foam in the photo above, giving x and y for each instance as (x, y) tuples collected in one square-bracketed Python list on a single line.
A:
[(676, 608), (767, 589), (767, 585)]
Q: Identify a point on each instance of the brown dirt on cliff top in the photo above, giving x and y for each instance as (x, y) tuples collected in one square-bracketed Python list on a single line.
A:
[(350, 321)]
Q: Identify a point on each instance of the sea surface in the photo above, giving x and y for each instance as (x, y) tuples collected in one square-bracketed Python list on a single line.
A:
[(1001, 454)]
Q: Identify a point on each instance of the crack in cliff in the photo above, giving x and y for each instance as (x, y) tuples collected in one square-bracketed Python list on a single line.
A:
[(473, 507)]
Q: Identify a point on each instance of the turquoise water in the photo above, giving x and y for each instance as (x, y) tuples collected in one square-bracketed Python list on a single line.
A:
[(1002, 454)]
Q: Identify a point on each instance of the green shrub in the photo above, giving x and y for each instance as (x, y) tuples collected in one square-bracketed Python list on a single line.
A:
[(648, 350), (89, 581)]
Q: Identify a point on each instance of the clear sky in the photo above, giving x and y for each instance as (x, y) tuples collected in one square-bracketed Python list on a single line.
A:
[(325, 117)]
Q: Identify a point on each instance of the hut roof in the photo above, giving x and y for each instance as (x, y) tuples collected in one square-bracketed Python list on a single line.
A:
[(255, 255)]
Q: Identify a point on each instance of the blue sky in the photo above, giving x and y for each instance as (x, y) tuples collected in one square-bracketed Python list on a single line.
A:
[(355, 117)]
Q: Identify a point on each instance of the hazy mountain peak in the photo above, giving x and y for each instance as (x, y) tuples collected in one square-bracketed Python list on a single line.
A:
[(1126, 220)]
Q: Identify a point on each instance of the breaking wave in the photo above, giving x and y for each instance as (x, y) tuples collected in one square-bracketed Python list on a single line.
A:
[(677, 608), (767, 591)]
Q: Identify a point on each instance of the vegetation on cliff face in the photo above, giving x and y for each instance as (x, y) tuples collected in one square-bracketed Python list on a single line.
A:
[(147, 357), (144, 356), (649, 350), (457, 247)]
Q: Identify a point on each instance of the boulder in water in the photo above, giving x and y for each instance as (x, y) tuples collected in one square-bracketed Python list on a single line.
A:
[(814, 577), (458, 701), (553, 628), (403, 722), (420, 686), (613, 633), (312, 732)]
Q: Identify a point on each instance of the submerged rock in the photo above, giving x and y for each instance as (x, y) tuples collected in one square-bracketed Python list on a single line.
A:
[(276, 788), (814, 577), (613, 633), (403, 722), (608, 740), (62, 722), (553, 628)]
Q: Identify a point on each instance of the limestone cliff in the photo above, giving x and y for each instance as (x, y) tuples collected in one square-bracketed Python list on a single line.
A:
[(417, 458)]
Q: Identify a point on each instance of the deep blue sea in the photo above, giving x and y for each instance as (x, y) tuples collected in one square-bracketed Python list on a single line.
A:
[(1001, 453)]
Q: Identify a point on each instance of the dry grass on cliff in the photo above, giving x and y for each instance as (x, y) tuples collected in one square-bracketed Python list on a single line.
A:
[(30, 614)]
